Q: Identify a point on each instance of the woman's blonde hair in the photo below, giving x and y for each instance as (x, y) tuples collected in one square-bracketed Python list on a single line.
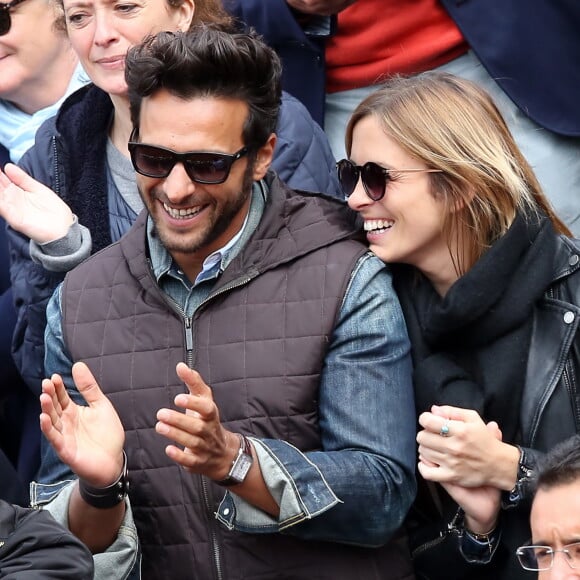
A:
[(208, 11), (453, 125)]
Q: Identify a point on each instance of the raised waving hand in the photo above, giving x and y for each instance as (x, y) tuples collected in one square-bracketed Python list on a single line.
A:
[(31, 208), (88, 439)]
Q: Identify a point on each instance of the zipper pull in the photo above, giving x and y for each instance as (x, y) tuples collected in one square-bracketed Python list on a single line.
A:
[(188, 335)]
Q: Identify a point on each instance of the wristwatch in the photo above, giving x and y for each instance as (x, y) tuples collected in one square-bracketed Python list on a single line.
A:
[(241, 464)]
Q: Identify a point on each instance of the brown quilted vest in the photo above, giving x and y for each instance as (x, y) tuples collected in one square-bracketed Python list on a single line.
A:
[(259, 341)]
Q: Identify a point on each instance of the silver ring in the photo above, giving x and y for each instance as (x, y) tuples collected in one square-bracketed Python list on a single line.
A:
[(444, 431)]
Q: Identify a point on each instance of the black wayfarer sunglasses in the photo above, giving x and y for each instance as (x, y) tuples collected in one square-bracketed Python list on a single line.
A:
[(5, 20), (374, 177), (201, 166)]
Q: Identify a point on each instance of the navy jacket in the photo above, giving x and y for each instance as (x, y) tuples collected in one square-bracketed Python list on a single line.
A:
[(19, 408), (69, 157), (302, 55), (530, 47)]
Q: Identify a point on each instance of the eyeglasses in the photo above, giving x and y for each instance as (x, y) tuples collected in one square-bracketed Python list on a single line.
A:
[(374, 177), (201, 166), (542, 557), (5, 20)]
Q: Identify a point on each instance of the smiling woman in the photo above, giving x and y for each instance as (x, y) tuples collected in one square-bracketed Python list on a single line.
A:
[(37, 64), (488, 279)]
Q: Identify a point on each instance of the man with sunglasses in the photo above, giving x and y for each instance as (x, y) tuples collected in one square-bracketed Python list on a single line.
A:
[(294, 432), (554, 550)]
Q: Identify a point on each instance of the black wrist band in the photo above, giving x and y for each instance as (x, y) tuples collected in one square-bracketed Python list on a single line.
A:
[(110, 496), (524, 477)]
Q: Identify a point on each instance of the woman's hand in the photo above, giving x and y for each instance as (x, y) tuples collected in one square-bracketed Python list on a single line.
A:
[(480, 504), (32, 208), (471, 455)]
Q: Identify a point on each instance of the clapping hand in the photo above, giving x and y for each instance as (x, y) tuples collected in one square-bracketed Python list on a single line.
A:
[(203, 444), (31, 208), (89, 439)]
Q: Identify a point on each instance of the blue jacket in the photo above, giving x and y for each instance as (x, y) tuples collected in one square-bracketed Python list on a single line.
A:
[(304, 69), (69, 157), (530, 47), (19, 408)]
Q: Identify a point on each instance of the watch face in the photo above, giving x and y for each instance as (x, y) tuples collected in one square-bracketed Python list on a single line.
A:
[(241, 467)]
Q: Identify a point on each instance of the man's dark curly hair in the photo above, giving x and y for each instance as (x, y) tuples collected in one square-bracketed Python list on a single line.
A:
[(561, 465), (210, 61)]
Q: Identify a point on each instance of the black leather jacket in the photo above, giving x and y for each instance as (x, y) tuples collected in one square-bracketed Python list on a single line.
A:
[(550, 413), (550, 405), (34, 545)]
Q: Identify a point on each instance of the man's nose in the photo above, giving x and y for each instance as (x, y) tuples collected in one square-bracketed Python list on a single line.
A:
[(178, 184)]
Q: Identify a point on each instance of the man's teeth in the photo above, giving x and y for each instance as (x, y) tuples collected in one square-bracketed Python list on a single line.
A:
[(181, 213), (378, 225)]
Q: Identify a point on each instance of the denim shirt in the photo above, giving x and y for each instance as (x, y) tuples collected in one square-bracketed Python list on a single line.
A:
[(359, 487)]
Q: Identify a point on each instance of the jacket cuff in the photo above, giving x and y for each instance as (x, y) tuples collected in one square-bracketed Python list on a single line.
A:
[(291, 479)]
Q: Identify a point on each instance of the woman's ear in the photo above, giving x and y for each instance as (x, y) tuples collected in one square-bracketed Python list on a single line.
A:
[(264, 157), (185, 12), (461, 202)]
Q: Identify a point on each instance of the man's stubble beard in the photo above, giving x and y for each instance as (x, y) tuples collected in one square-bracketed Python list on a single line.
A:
[(214, 229)]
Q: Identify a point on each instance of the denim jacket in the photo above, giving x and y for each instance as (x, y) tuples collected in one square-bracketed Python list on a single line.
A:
[(366, 407)]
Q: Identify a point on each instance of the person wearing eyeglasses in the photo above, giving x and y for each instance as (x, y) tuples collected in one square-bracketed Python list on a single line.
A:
[(554, 550), (489, 283), (38, 69), (241, 364), (81, 155)]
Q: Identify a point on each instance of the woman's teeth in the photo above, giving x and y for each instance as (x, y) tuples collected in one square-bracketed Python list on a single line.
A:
[(378, 225)]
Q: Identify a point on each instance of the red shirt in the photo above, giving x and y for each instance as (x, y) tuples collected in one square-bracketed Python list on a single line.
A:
[(377, 38)]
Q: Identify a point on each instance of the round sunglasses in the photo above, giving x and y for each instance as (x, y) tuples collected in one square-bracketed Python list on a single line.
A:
[(374, 177), (201, 166), (5, 20)]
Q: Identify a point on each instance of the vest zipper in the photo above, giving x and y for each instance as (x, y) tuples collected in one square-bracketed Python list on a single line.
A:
[(231, 286), (216, 549), (188, 341), (189, 347)]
